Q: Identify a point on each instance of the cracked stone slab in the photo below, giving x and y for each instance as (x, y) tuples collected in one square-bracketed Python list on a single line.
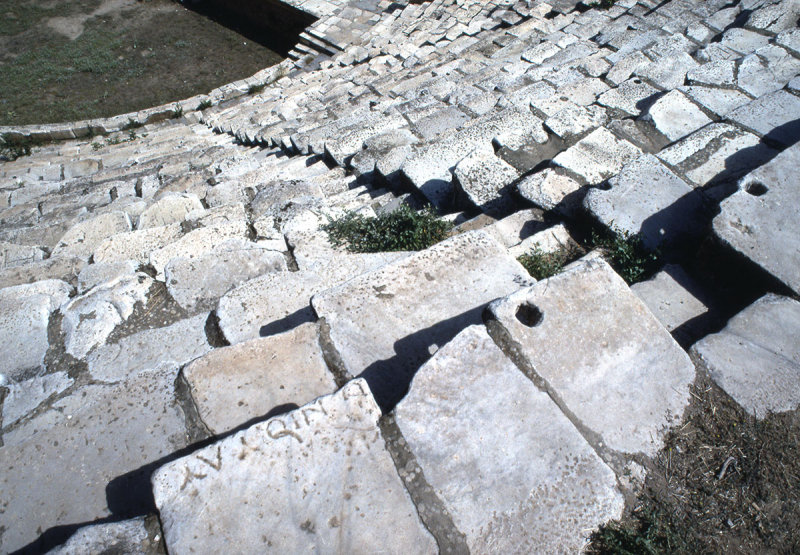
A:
[(628, 97), (83, 239), (24, 317), (103, 272), (198, 283), (773, 115), (550, 190), (236, 384), (719, 101), (136, 245), (756, 358), (485, 179), (373, 329), (675, 116), (761, 220), (647, 198), (517, 227), (169, 209), (128, 536), (535, 484), (90, 318), (607, 358), (27, 395), (597, 156), (158, 348), (12, 255), (56, 471), (555, 238), (64, 268), (766, 70), (331, 486), (572, 120)]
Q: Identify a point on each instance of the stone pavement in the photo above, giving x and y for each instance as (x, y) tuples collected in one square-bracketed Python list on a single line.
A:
[(181, 339)]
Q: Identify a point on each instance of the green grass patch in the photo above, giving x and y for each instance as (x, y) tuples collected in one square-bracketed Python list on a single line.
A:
[(626, 253), (542, 265), (405, 229)]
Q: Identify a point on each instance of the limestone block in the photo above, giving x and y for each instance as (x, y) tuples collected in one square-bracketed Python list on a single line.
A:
[(572, 121), (517, 227), (761, 220), (716, 74), (628, 96), (597, 156), (91, 449), (743, 41), (90, 318), (128, 536), (102, 272), (136, 245), (197, 283), (719, 101), (12, 255), (331, 487), (373, 328), (198, 242), (159, 348), (535, 485), (773, 115), (26, 395), (63, 268), (169, 209), (549, 190), (626, 66), (668, 70), (236, 384), (553, 239), (485, 179), (647, 198), (675, 116), (766, 70), (756, 358), (83, 239), (606, 356)]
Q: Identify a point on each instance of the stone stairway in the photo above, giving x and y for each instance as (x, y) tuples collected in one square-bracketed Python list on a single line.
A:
[(175, 320)]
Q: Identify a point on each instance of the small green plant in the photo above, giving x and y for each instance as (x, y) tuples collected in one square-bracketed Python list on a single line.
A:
[(626, 253), (11, 150), (177, 112), (132, 124), (204, 105), (404, 229), (650, 531), (603, 4), (542, 265), (255, 89)]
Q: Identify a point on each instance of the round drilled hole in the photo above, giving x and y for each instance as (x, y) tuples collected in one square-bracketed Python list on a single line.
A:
[(529, 315), (756, 189)]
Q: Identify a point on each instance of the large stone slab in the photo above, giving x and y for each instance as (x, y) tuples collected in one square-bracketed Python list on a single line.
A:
[(87, 456), (647, 198), (12, 255), (773, 115), (675, 116), (602, 352), (236, 384), (83, 239), (198, 283), (761, 220), (64, 268), (27, 395), (756, 358), (485, 179), (171, 208), (330, 486), (597, 156), (534, 484), (136, 245), (375, 320), (198, 242), (158, 348)]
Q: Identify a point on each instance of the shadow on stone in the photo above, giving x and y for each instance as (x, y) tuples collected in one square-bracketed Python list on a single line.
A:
[(288, 322)]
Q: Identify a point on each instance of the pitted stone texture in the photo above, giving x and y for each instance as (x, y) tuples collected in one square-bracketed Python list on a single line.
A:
[(102, 272), (628, 97), (25, 396), (169, 209), (597, 156), (199, 242), (24, 317), (56, 470), (607, 357), (154, 349), (756, 358), (331, 486), (197, 283), (766, 70), (12, 255), (647, 198), (572, 121), (719, 101), (535, 485), (550, 190), (675, 116), (236, 384), (83, 239), (136, 245), (64, 268), (128, 536), (373, 329), (485, 179), (90, 318), (774, 116), (761, 219)]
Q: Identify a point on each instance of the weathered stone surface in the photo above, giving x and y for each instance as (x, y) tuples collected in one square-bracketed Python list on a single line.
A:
[(756, 358), (597, 156), (774, 115), (628, 96), (25, 396), (572, 120), (171, 208), (64, 268), (761, 219), (719, 101), (766, 70), (553, 239), (102, 272), (24, 316), (331, 487), (197, 283), (604, 349), (90, 318), (647, 198), (535, 485), (57, 472), (136, 245), (675, 116), (236, 384), (375, 333), (83, 239), (128, 536), (484, 178), (515, 228), (12, 255), (550, 190), (159, 348)]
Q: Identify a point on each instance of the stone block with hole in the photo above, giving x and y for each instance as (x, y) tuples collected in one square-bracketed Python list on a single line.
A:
[(600, 350), (535, 484), (761, 219), (756, 358)]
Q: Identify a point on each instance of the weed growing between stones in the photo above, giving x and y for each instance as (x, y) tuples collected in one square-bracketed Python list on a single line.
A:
[(725, 482), (626, 253), (405, 229), (542, 265), (11, 150)]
